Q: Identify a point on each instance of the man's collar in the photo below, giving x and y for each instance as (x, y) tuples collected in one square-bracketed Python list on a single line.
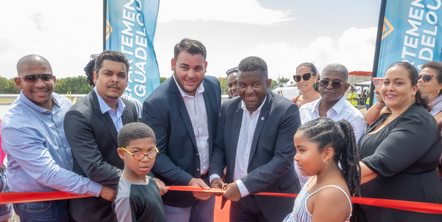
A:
[(38, 108), (200, 88), (337, 107), (436, 101), (243, 105), (104, 107)]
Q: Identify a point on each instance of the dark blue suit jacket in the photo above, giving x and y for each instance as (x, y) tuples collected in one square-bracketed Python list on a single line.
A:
[(178, 161), (271, 156)]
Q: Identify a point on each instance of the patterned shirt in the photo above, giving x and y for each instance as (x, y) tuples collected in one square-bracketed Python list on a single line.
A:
[(437, 105), (39, 156)]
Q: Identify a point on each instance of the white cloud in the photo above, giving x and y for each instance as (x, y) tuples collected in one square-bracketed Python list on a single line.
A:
[(242, 11), (65, 33), (354, 49)]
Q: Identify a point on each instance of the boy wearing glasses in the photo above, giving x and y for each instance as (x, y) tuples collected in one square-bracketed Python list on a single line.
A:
[(137, 191)]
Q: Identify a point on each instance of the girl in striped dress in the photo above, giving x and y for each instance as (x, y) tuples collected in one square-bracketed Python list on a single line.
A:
[(326, 151)]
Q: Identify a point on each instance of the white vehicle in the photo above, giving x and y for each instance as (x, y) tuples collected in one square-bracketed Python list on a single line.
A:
[(287, 92)]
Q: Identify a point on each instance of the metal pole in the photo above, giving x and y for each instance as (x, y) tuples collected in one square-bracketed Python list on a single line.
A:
[(378, 48), (104, 23)]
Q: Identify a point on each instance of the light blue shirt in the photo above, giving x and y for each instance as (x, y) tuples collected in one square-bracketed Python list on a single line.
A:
[(39, 156), (116, 116)]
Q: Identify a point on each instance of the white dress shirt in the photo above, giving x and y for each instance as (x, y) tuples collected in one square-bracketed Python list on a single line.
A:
[(196, 108), (115, 116), (245, 139), (341, 110)]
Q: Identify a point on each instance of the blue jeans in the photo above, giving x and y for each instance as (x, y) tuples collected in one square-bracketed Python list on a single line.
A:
[(47, 211), (6, 212), (201, 211)]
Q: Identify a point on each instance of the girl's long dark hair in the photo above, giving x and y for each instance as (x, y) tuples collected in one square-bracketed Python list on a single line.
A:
[(340, 136)]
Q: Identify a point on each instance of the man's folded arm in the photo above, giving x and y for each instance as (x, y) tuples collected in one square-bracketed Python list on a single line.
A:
[(35, 159)]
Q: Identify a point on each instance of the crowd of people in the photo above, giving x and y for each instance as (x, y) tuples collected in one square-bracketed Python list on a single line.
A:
[(126, 154)]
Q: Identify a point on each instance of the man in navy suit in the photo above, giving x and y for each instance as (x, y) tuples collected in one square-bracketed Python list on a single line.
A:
[(254, 141), (183, 112)]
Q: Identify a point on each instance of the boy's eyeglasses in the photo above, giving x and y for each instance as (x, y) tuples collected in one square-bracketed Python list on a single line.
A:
[(335, 85), (32, 79), (426, 78), (306, 77), (230, 71), (139, 156)]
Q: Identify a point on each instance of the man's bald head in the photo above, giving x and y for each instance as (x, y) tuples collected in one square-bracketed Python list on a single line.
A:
[(32, 60)]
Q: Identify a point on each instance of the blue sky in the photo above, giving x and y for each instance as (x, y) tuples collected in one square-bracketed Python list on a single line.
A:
[(284, 33)]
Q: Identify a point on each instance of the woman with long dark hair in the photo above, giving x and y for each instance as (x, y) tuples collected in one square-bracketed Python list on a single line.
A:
[(400, 151)]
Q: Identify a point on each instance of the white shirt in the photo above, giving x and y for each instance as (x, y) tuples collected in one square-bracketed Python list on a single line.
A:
[(245, 139), (116, 116), (341, 110), (196, 108)]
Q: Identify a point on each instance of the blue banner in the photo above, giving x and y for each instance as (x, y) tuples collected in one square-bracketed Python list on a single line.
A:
[(411, 32), (130, 29)]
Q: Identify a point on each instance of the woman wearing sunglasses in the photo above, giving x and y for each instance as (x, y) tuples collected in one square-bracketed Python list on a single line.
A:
[(430, 85), (306, 78)]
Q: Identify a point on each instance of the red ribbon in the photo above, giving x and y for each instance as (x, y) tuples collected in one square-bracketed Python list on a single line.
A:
[(421, 207), (26, 197)]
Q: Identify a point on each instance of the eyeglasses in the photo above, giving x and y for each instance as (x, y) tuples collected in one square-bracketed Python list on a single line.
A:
[(230, 71), (306, 77), (426, 78), (335, 85), (139, 156), (32, 79)]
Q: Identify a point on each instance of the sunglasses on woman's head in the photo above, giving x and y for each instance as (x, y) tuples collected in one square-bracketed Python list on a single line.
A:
[(230, 71), (32, 79), (426, 78), (305, 76), (325, 83)]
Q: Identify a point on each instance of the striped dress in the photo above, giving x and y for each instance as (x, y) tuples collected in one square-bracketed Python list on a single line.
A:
[(300, 212)]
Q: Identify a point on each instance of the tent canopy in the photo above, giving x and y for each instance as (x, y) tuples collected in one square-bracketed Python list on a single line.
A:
[(360, 73), (366, 83)]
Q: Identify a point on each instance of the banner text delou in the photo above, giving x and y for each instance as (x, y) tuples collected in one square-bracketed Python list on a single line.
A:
[(411, 32)]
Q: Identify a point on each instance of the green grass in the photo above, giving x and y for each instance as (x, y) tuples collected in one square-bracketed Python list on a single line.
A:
[(6, 100)]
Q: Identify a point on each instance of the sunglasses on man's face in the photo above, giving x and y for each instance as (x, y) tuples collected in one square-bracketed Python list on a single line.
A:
[(335, 85), (306, 77), (32, 79), (426, 78)]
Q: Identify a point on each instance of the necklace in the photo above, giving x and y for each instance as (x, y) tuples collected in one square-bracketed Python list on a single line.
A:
[(400, 113)]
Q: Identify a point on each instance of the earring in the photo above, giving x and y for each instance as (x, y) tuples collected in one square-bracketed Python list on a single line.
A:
[(315, 86), (325, 161)]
